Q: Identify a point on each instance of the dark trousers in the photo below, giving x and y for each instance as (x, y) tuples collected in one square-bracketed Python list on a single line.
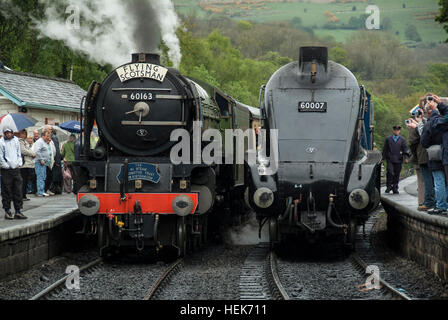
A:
[(393, 175), (12, 189), (27, 176), (48, 180), (428, 181), (446, 174), (34, 183)]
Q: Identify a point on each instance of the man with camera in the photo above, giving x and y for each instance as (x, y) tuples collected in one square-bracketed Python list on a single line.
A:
[(420, 157), (432, 140), (441, 124), (394, 151)]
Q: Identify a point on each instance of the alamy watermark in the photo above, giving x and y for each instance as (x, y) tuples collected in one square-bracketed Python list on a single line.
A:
[(73, 21), (209, 147), (72, 282), (373, 22), (373, 280)]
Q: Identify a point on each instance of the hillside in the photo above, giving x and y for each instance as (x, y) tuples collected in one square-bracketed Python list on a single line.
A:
[(336, 18)]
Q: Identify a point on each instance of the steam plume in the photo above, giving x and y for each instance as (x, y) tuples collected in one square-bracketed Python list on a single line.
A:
[(110, 30)]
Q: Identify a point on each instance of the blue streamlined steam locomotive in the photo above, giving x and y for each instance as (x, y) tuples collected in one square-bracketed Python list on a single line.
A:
[(328, 176)]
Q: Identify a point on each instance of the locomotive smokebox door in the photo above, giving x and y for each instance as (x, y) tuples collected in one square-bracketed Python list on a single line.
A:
[(140, 104)]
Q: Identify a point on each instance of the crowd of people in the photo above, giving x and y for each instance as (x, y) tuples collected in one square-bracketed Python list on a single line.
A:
[(34, 164), (427, 151)]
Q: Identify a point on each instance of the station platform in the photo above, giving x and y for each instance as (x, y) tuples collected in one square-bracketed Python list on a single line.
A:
[(43, 214), (46, 232), (417, 235)]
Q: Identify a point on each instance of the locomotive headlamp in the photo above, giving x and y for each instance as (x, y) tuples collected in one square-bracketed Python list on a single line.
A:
[(264, 198), (89, 205), (182, 205), (359, 199)]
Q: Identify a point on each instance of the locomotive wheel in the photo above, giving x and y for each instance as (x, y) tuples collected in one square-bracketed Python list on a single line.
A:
[(101, 232), (181, 237), (273, 231), (351, 236), (204, 235)]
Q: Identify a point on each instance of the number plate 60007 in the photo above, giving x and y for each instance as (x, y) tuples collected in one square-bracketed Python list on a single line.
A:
[(312, 106)]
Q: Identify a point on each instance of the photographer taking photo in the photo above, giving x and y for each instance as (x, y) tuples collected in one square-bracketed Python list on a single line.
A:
[(420, 159), (432, 139)]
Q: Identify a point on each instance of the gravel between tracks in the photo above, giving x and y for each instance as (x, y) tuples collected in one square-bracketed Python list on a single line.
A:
[(415, 280), (319, 278), (125, 281), (24, 285), (211, 274)]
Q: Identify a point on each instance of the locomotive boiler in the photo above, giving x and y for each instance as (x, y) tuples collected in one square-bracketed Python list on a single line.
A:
[(131, 193), (328, 176)]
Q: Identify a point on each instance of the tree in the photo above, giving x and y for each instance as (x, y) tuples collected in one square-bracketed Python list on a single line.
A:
[(245, 25), (443, 17), (339, 55), (411, 33), (379, 56), (22, 49), (387, 24), (296, 22)]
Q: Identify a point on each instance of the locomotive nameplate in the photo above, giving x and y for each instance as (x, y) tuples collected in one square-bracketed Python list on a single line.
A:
[(312, 106), (140, 171), (142, 70)]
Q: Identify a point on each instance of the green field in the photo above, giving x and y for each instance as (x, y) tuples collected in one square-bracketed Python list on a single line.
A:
[(417, 12)]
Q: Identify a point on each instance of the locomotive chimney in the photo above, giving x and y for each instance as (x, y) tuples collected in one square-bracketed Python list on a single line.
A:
[(311, 58), (152, 58)]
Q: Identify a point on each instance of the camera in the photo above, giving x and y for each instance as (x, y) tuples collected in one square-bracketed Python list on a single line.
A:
[(430, 98), (407, 122)]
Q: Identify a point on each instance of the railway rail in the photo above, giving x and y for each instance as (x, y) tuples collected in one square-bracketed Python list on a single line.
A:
[(277, 289), (386, 288), (163, 279), (57, 285)]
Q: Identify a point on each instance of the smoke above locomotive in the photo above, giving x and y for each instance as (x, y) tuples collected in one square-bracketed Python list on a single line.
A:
[(108, 30)]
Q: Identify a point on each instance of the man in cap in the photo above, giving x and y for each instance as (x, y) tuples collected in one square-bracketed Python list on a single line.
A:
[(394, 152), (10, 162)]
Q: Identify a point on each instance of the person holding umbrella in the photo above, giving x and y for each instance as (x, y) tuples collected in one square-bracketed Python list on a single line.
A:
[(10, 162)]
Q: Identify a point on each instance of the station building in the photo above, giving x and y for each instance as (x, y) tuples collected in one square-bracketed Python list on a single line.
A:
[(51, 101)]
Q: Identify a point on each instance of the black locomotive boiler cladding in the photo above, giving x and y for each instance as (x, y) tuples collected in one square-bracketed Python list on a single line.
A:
[(131, 193), (328, 177)]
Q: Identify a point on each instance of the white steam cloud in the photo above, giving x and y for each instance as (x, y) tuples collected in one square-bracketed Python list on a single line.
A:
[(246, 233), (108, 31)]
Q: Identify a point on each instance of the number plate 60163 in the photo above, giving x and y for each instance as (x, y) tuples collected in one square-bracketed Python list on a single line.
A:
[(141, 96)]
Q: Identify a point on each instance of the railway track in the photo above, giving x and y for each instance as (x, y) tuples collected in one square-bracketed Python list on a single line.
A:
[(58, 285), (261, 279), (385, 287), (163, 279)]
